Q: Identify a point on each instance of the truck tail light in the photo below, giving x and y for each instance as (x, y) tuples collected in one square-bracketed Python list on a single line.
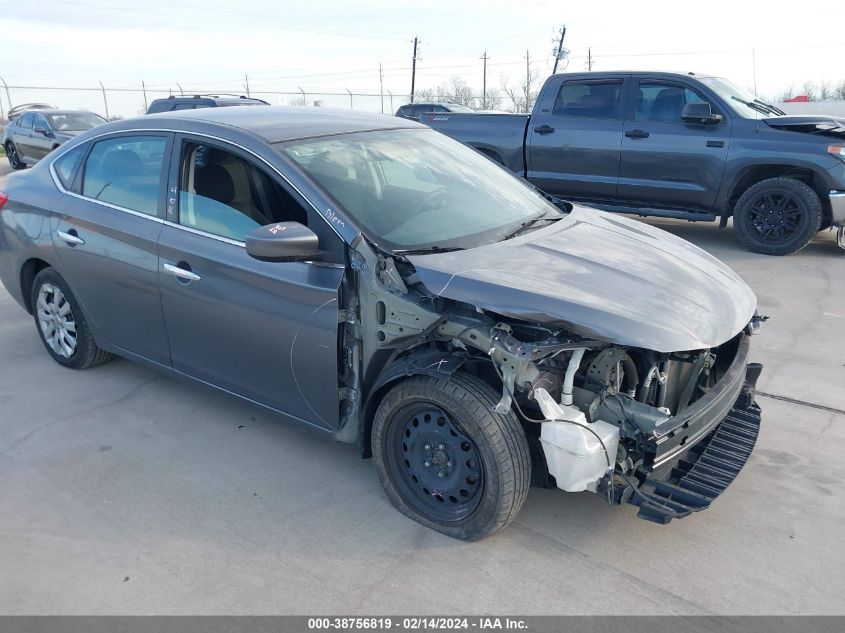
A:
[(4, 198)]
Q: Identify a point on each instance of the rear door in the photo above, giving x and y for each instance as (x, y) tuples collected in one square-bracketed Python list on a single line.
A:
[(106, 233), (265, 331), (575, 138), (666, 162), (22, 135)]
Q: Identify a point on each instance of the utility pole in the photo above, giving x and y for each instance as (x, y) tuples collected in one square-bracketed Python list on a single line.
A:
[(381, 86), (8, 95), (413, 69), (105, 101), (590, 59), (559, 51), (246, 84), (527, 81), (484, 83), (144, 90)]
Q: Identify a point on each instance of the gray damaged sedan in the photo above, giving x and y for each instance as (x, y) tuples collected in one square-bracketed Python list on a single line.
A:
[(379, 281)]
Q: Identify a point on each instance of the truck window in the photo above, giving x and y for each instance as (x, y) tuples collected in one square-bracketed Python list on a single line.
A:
[(664, 102), (589, 99)]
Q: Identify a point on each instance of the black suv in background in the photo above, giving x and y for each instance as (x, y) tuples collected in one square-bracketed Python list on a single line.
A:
[(173, 102), (414, 110)]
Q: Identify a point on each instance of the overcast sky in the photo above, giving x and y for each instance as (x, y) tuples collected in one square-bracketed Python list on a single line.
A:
[(337, 45)]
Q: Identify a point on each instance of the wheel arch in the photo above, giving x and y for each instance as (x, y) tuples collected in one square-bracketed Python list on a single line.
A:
[(29, 270), (426, 361), (750, 175)]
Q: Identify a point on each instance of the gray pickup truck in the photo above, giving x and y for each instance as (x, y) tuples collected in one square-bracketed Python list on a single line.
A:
[(676, 146)]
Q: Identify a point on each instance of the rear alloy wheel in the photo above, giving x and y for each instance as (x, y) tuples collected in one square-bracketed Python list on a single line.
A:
[(446, 460), (62, 325), (777, 216), (13, 156)]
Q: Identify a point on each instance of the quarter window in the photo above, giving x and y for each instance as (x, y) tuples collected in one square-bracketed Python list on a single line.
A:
[(223, 194), (67, 165), (589, 99), (126, 172), (664, 102)]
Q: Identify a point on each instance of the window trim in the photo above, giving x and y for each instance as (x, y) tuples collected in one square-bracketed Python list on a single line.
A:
[(170, 162), (620, 107)]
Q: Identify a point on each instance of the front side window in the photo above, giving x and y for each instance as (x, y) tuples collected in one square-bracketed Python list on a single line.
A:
[(589, 99), (223, 194), (126, 171), (663, 102), (26, 120), (39, 122), (67, 165), (415, 189), (74, 121)]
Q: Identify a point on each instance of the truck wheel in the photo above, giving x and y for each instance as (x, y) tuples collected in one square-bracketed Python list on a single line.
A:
[(777, 216), (446, 460), (62, 325)]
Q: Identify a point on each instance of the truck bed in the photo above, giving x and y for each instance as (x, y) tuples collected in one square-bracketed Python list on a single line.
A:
[(500, 136)]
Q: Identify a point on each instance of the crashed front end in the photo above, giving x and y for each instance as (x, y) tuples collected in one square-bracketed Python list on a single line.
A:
[(667, 432)]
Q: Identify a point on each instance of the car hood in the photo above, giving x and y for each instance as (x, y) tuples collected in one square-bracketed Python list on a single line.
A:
[(810, 124), (601, 276), (66, 135)]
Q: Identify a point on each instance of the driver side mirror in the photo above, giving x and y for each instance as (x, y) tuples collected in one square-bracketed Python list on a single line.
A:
[(40, 130), (700, 113), (282, 242)]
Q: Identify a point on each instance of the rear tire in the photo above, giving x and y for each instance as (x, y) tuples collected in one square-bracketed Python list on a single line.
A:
[(446, 460), (777, 216), (13, 157), (61, 324)]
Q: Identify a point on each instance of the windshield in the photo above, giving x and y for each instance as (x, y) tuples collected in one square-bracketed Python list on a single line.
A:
[(73, 121), (418, 189), (728, 91)]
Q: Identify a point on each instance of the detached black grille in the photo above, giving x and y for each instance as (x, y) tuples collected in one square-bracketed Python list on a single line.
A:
[(706, 470)]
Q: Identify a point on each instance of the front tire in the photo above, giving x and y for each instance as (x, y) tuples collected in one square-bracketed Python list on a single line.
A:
[(13, 157), (446, 460), (61, 324), (777, 216)]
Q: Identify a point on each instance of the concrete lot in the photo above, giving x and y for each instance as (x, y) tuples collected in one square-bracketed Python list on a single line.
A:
[(125, 492)]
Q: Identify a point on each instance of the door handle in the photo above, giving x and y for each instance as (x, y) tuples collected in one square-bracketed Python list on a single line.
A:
[(71, 237), (636, 134), (184, 274), (544, 129), (715, 143)]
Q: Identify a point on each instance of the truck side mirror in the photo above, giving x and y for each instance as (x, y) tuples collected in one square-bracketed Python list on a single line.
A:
[(700, 113)]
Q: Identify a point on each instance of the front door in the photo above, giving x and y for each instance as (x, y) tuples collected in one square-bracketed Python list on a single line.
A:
[(105, 234), (574, 143), (265, 331), (42, 138), (666, 162)]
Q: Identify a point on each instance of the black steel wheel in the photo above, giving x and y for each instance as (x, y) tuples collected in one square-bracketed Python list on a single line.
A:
[(13, 156), (446, 460), (777, 216)]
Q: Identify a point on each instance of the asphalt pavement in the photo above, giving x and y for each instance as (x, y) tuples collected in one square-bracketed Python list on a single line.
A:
[(123, 491)]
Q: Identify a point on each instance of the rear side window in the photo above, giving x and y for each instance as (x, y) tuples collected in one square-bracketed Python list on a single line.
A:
[(184, 106), (158, 106), (126, 172), (26, 120), (66, 166), (589, 99)]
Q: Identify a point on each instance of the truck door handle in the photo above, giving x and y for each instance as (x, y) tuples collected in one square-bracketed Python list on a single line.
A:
[(715, 143), (544, 129), (182, 272), (71, 237), (636, 134)]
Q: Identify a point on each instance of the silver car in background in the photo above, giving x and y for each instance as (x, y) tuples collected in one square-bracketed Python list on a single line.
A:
[(32, 135)]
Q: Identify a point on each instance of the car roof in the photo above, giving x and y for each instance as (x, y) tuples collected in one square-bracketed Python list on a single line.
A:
[(284, 123)]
